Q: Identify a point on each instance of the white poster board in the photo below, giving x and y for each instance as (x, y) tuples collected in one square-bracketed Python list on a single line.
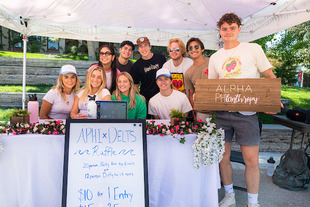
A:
[(105, 164)]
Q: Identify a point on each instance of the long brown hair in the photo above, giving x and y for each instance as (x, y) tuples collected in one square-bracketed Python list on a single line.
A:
[(113, 65), (87, 87), (132, 91)]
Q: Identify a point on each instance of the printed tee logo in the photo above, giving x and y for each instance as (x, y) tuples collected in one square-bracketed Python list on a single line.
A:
[(232, 67), (178, 82)]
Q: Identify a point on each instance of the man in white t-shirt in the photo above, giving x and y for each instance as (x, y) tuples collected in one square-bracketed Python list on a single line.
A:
[(239, 60), (161, 104), (178, 64)]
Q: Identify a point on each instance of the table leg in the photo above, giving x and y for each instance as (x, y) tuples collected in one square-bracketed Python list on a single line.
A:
[(292, 139), (303, 140)]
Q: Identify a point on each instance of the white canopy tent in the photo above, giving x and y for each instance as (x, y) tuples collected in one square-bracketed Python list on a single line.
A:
[(159, 20)]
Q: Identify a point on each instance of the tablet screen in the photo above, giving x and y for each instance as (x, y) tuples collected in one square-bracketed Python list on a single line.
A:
[(111, 109)]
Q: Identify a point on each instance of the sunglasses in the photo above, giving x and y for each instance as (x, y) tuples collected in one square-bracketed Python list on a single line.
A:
[(105, 53), (195, 46), (175, 49)]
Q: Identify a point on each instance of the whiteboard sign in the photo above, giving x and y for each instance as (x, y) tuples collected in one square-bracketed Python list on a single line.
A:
[(105, 164)]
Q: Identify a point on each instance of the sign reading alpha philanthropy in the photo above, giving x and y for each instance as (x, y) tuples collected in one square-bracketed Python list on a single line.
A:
[(105, 164), (257, 95)]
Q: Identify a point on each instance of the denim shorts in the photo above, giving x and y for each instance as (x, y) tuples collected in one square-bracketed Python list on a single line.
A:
[(244, 128)]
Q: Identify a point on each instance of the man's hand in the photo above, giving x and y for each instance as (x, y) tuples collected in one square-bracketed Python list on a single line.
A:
[(273, 113)]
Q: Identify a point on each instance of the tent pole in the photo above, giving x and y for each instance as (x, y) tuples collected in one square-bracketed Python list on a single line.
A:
[(24, 69)]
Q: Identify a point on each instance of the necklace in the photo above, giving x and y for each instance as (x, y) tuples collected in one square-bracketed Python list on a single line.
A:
[(67, 99), (230, 53)]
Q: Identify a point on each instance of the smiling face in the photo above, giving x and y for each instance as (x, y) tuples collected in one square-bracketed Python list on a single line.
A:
[(123, 84), (96, 79), (106, 56), (164, 83), (125, 51), (194, 50), (175, 51), (68, 81), (229, 32), (145, 50)]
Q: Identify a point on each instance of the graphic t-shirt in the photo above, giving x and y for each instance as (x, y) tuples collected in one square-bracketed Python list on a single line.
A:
[(144, 71), (247, 60), (178, 72)]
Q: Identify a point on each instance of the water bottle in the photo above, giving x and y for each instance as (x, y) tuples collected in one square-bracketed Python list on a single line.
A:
[(270, 166), (33, 108), (92, 107)]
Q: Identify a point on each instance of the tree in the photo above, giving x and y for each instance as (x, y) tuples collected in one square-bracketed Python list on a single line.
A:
[(303, 34), (291, 49), (263, 42)]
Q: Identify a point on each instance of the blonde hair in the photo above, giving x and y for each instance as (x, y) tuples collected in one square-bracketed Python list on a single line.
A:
[(60, 86), (87, 87), (182, 46), (132, 91)]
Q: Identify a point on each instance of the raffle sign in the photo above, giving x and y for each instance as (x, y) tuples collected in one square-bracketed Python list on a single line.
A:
[(105, 164), (257, 95)]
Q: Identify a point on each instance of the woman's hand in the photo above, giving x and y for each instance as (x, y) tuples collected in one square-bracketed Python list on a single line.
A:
[(80, 116)]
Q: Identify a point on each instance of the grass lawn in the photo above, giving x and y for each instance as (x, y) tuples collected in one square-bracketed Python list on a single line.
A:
[(43, 56), (30, 89), (299, 97), (5, 114)]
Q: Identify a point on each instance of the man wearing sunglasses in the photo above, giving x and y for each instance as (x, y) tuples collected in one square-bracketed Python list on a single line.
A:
[(144, 70), (125, 51), (199, 70), (239, 60), (178, 64)]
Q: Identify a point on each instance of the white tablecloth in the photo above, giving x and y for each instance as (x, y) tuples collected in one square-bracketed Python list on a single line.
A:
[(31, 173)]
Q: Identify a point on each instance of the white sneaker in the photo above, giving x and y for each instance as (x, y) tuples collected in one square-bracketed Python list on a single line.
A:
[(253, 205), (228, 201)]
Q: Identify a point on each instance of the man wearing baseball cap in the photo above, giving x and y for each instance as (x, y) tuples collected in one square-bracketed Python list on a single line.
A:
[(144, 70), (161, 104)]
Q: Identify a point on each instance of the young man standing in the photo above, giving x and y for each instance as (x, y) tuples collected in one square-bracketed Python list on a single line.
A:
[(199, 70), (144, 70), (239, 60), (178, 64), (161, 104), (123, 63)]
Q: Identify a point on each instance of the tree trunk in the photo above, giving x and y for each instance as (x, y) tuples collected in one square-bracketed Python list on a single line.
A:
[(91, 51)]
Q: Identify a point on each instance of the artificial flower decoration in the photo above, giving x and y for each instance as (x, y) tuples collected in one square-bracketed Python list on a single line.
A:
[(48, 127), (209, 145)]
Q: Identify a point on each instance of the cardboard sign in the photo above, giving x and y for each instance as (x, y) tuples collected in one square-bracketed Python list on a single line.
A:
[(105, 164), (257, 95)]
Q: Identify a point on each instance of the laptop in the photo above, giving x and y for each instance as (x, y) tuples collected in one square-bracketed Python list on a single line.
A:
[(111, 109)]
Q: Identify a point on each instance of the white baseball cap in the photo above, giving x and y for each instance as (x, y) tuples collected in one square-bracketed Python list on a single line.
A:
[(67, 69), (164, 72)]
